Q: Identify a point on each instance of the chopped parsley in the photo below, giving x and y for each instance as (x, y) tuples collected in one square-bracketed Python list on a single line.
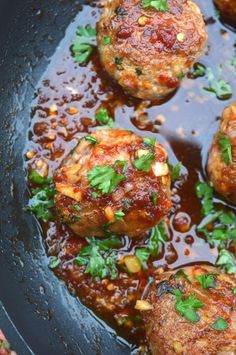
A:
[(119, 215), (199, 70), (138, 71), (118, 61), (227, 261), (187, 307), (77, 208), (92, 140), (103, 117), (220, 88), (54, 262), (205, 192), (143, 255), (144, 163), (220, 324), (83, 45), (175, 171), (122, 163), (104, 178), (35, 177), (106, 40), (149, 141), (234, 290), (159, 5), (100, 262), (225, 147), (154, 198), (206, 281), (42, 202)]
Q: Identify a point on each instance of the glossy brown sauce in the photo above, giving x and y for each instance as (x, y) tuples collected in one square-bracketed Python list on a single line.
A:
[(185, 125)]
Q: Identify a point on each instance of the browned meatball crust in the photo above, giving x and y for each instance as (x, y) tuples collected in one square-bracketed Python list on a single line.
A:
[(222, 163), (140, 199), (148, 51), (169, 332), (227, 8)]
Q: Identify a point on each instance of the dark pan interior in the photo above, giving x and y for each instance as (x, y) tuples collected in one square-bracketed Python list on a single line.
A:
[(48, 318)]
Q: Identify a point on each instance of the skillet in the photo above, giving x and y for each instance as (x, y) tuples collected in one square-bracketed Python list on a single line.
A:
[(29, 34)]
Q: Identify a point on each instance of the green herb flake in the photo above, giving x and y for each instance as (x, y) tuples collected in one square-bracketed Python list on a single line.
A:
[(206, 281), (158, 237), (92, 140), (54, 262), (199, 70), (104, 178), (149, 141), (220, 324), (106, 40), (35, 177), (225, 147), (234, 290), (187, 307), (77, 208), (121, 163), (119, 215), (41, 202), (154, 198), (205, 192), (159, 5), (144, 163), (103, 117), (227, 261), (221, 89), (176, 171), (143, 255), (138, 71), (83, 45), (118, 61)]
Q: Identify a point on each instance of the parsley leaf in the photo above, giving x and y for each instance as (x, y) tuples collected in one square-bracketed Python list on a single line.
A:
[(175, 171), (149, 141), (220, 324), (92, 140), (205, 192), (103, 117), (143, 255), (104, 178), (83, 45), (159, 5), (97, 258), (158, 237), (225, 147), (106, 40), (206, 281), (154, 198), (198, 70), (119, 215), (227, 261), (221, 89), (187, 307), (35, 177), (41, 203), (144, 163), (54, 262)]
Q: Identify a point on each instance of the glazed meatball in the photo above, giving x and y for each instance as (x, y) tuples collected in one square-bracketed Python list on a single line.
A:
[(191, 311), (149, 51), (222, 157), (113, 181), (227, 8)]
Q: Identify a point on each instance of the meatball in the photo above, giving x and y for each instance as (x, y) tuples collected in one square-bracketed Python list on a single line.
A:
[(222, 156), (149, 51), (113, 181), (191, 311), (227, 8)]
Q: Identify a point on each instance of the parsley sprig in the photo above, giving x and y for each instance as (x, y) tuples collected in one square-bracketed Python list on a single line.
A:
[(227, 261), (187, 307), (159, 5), (144, 162), (100, 262), (206, 281), (225, 145), (104, 178), (83, 45), (217, 86), (102, 117)]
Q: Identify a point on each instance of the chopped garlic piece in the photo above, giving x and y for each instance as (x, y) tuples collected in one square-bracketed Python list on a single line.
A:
[(181, 37), (142, 305), (160, 169), (69, 191)]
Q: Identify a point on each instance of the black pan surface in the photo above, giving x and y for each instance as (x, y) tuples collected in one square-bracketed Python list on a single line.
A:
[(45, 315)]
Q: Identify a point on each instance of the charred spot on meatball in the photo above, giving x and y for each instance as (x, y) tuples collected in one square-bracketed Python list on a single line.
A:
[(108, 182), (150, 50), (191, 311), (222, 156)]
